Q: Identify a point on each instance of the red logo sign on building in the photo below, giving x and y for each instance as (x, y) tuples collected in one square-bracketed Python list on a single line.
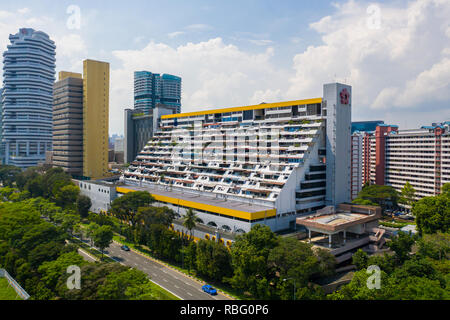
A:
[(345, 96)]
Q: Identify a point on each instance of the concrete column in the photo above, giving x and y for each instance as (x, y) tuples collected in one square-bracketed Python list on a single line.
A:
[(345, 236), (309, 234), (329, 241)]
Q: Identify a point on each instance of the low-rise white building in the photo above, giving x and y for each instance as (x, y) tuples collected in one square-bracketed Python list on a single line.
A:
[(101, 193)]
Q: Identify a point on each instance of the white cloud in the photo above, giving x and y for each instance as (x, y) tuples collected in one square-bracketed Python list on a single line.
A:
[(71, 48), (23, 11), (175, 34), (198, 27), (403, 64), (261, 42), (214, 75)]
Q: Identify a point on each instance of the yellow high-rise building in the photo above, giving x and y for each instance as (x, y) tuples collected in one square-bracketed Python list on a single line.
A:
[(95, 118)]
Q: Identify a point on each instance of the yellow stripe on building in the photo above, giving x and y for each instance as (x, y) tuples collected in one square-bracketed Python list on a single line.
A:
[(245, 108), (209, 208)]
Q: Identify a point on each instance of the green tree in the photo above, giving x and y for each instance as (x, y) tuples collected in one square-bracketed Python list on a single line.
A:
[(83, 204), (433, 213), (25, 176), (53, 180), (401, 245), (126, 207), (9, 174), (66, 197), (292, 259), (156, 215), (213, 260), (117, 283), (69, 221), (90, 231), (359, 259), (34, 186), (92, 278), (103, 237), (190, 256), (407, 195), (382, 196), (249, 254), (190, 220), (52, 271), (6, 192), (164, 242), (435, 246), (357, 289)]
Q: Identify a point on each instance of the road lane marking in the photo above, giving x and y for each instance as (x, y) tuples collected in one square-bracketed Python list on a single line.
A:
[(189, 294)]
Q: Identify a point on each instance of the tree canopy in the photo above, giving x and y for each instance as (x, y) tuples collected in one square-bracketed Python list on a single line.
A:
[(433, 213), (382, 196), (126, 207)]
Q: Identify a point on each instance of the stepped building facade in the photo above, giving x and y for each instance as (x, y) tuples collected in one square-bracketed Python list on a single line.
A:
[(261, 164)]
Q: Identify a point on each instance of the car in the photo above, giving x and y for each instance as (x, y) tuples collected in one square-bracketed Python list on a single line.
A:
[(125, 248), (209, 289)]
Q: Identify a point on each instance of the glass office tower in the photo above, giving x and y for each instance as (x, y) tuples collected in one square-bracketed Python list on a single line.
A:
[(151, 89)]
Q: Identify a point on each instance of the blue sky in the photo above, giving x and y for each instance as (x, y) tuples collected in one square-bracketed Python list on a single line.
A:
[(240, 52)]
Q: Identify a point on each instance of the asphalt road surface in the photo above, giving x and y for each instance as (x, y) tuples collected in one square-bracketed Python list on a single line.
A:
[(177, 283)]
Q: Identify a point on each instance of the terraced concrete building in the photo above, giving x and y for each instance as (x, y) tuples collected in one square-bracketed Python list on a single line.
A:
[(237, 167)]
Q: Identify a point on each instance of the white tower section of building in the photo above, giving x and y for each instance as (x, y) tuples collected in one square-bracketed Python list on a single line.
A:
[(337, 99)]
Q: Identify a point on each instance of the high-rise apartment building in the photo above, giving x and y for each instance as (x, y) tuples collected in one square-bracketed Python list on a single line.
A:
[(27, 98), (418, 156), (260, 164), (356, 166), (95, 118), (68, 123), (151, 89), (359, 146)]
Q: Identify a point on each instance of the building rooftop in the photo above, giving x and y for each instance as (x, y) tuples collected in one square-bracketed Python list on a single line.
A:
[(333, 220), (239, 209), (245, 108)]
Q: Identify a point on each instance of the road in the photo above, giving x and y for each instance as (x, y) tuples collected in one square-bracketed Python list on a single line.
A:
[(175, 282)]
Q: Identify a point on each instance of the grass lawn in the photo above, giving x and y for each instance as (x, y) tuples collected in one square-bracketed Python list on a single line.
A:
[(7, 292)]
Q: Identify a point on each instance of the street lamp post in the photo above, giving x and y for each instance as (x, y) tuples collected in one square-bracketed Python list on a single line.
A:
[(294, 284)]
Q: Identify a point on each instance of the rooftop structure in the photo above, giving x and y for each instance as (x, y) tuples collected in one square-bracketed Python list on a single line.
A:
[(366, 126), (350, 226)]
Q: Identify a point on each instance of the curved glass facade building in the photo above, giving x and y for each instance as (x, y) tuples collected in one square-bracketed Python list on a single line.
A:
[(27, 98)]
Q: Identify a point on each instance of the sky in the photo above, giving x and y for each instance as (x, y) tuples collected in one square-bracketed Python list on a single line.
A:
[(395, 54)]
